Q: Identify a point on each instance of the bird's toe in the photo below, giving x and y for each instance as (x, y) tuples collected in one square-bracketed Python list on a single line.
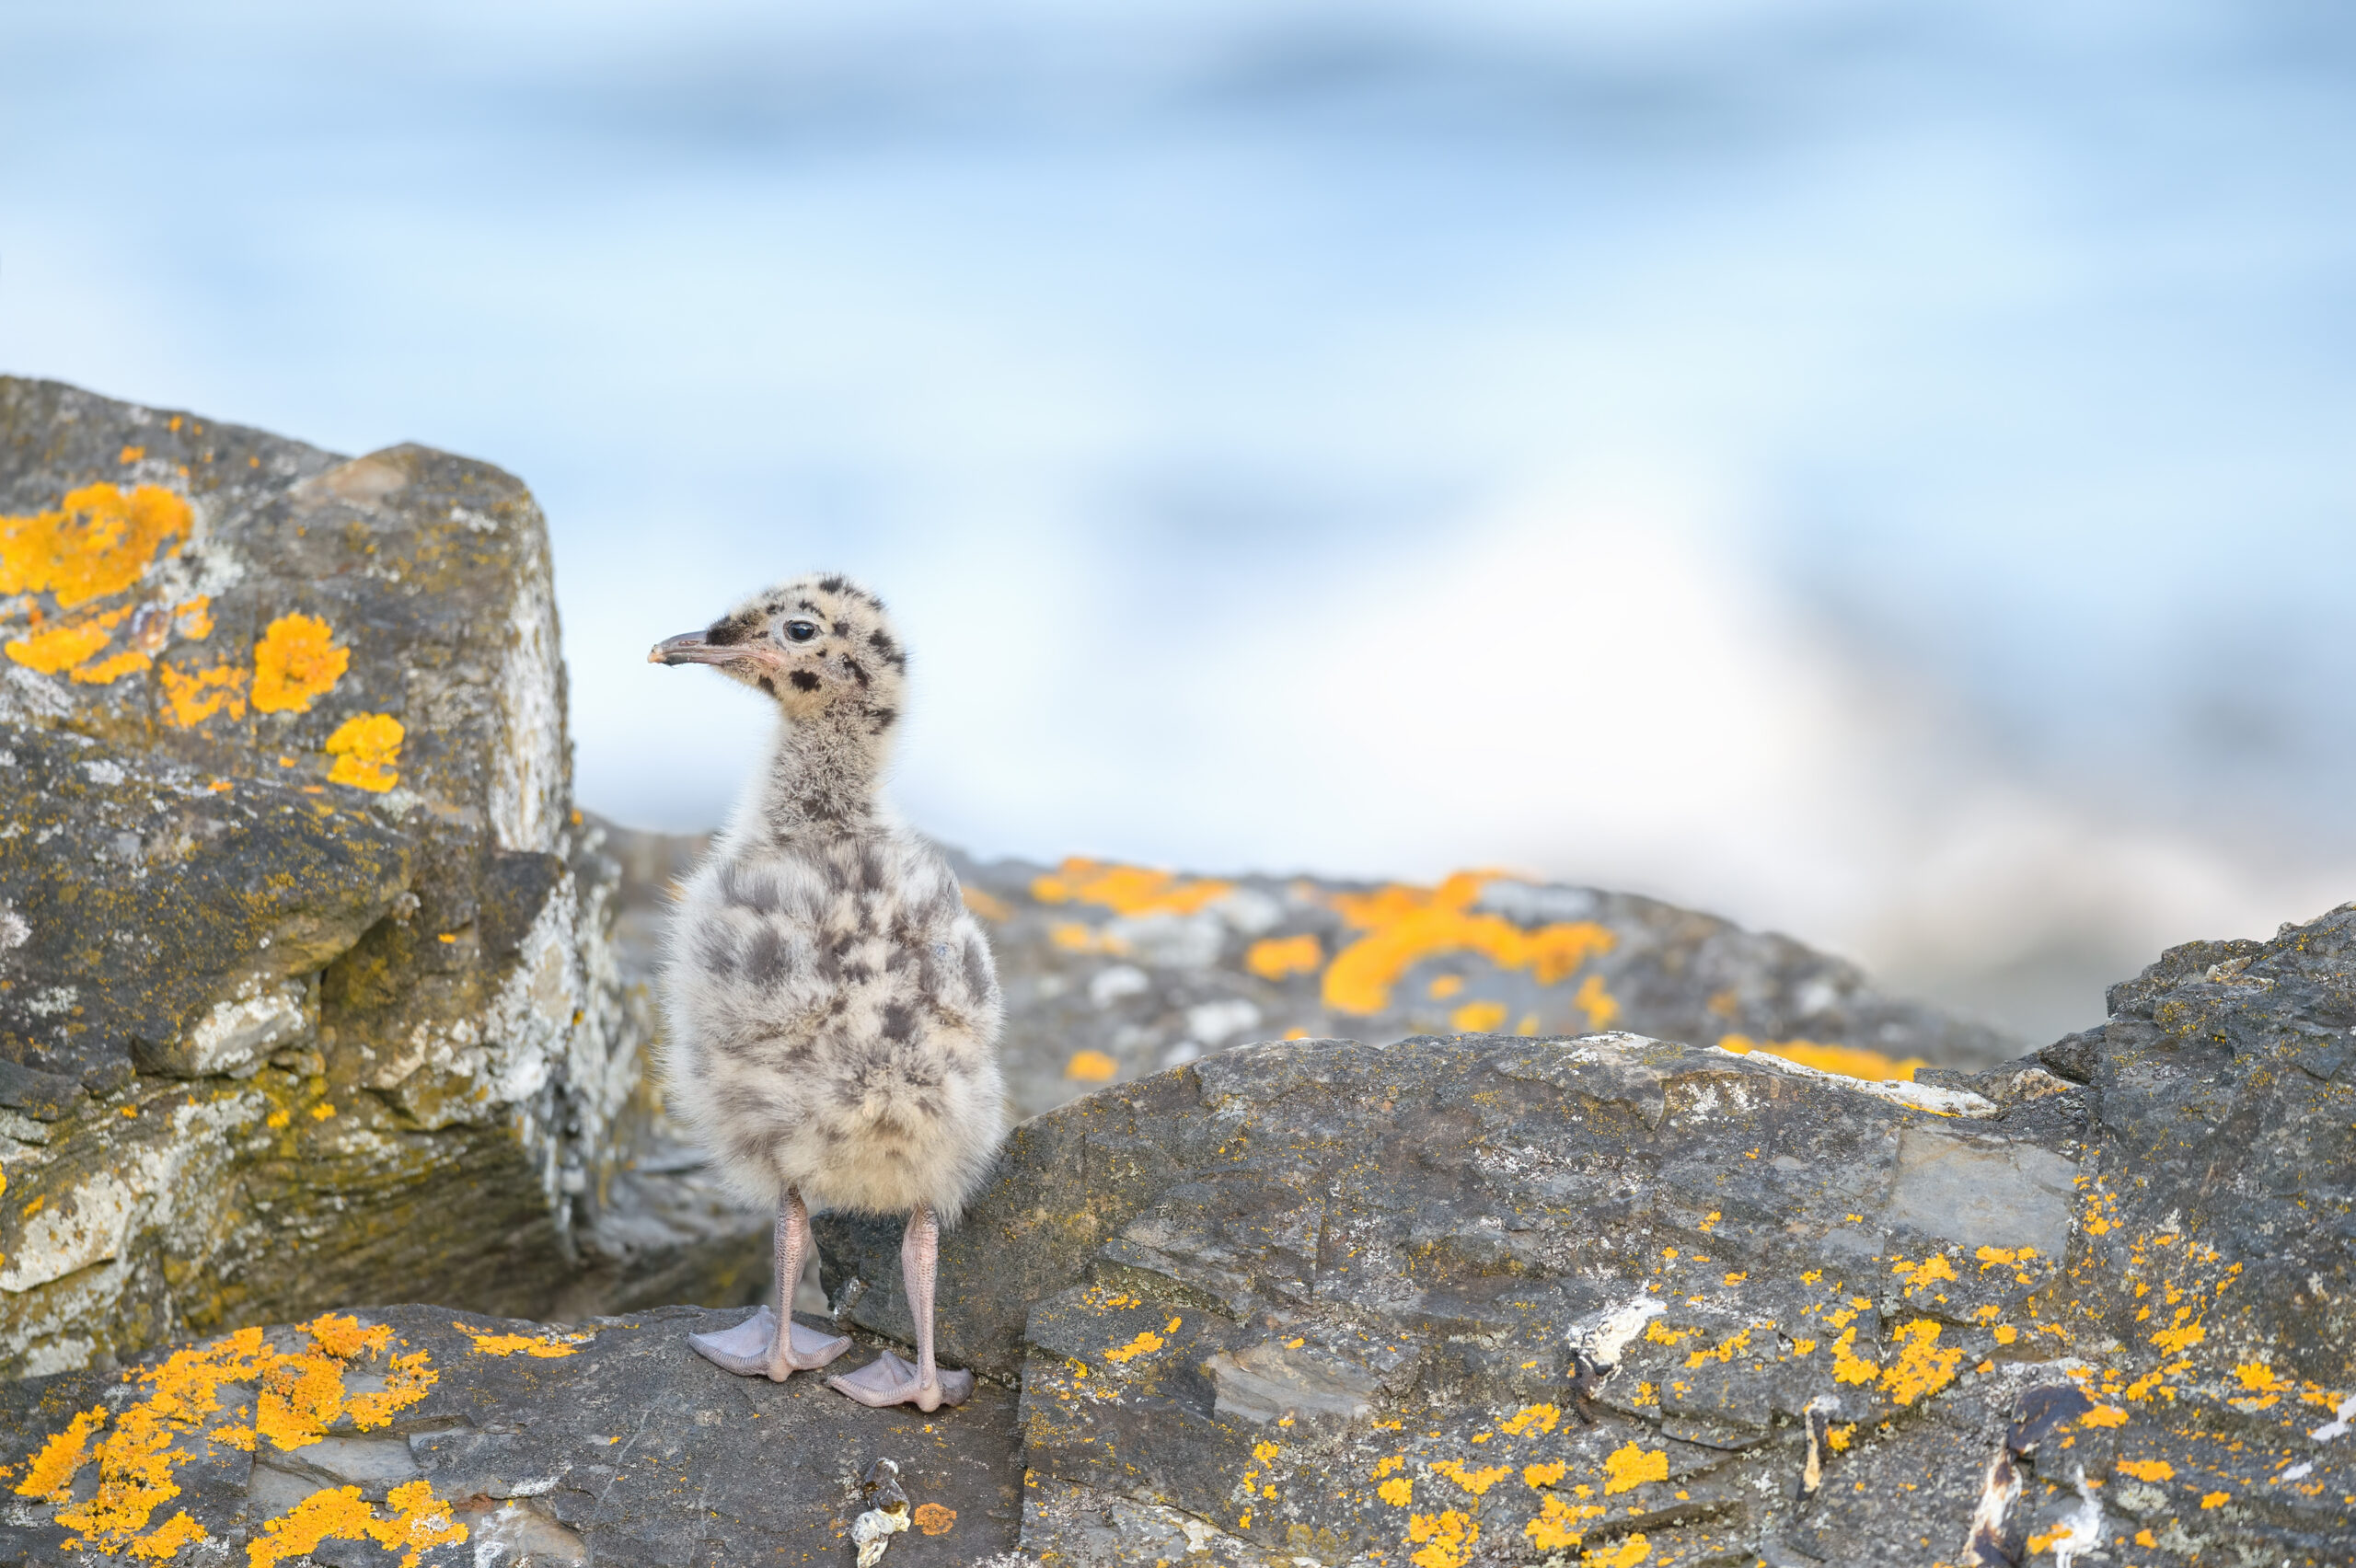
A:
[(744, 1349)]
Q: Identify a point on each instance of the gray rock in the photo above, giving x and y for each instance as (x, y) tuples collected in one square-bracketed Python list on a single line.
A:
[(609, 1443), (292, 1015)]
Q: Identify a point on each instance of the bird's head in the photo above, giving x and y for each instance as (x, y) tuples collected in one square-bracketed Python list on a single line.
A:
[(817, 645)]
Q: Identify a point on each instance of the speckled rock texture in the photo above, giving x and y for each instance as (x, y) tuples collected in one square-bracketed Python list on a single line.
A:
[(1483, 1299), (418, 1435), (1620, 1301), (308, 994)]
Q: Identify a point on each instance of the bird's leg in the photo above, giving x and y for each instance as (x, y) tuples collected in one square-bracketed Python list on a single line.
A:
[(771, 1345), (888, 1380)]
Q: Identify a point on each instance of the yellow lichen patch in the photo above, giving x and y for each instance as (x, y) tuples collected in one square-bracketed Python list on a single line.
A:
[(2216, 1499), (1932, 1269), (1145, 1344), (1476, 1481), (1541, 1416), (52, 1470), (1404, 926), (992, 909), (1398, 1492), (106, 672), (1739, 1340), (1280, 958), (1092, 1067), (2104, 1415), (1444, 986), (1543, 1475), (191, 698), (413, 1518), (1477, 1018), (1599, 1005), (366, 747), (2182, 1337), (1073, 936), (2004, 1257), (1451, 1537), (2006, 1333), (195, 617), (1628, 1467), (294, 661), (548, 1345), (1126, 889), (1849, 1061), (1848, 1367), (234, 1436), (1557, 1524), (345, 1337), (1839, 1437), (1922, 1366), (1626, 1554), (98, 542), (164, 1542), (58, 648), (933, 1519), (2147, 1470)]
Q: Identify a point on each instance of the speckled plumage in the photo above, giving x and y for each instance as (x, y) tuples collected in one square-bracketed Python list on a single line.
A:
[(832, 1010)]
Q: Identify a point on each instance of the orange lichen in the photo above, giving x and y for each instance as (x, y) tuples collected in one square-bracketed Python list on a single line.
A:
[(1477, 1018), (1145, 1344), (191, 698), (2147, 1470), (2104, 1415), (1280, 958), (1541, 1416), (344, 1337), (296, 662), (57, 648), (106, 672), (1627, 1554), (1849, 1061), (1476, 1481), (1558, 1521), (994, 910), (195, 617), (1739, 1340), (1398, 1492), (1091, 1066), (543, 1345), (1450, 1535), (1847, 1365), (934, 1519), (1628, 1467), (1922, 1367), (366, 747), (1932, 1269), (52, 1470), (1599, 1005), (99, 541), (1126, 889), (164, 1542), (413, 1518), (1406, 925)]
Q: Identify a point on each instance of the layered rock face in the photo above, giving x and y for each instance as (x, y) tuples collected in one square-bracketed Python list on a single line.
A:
[(1448, 1302), (307, 994)]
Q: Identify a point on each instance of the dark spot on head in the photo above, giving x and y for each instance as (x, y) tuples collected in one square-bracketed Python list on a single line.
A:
[(899, 1021), (804, 680), (881, 640), (858, 671), (768, 685), (766, 959), (830, 584), (728, 630), (885, 717), (805, 605), (842, 628), (979, 977)]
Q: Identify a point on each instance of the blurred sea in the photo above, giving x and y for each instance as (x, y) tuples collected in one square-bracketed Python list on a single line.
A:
[(1880, 472)]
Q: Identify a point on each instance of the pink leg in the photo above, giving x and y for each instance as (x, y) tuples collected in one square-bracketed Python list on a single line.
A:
[(888, 1380), (770, 1344)]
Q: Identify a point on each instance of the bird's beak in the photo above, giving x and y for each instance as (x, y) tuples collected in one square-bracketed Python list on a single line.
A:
[(691, 648)]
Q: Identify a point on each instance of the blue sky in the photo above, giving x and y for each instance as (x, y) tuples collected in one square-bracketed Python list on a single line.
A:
[(1879, 471)]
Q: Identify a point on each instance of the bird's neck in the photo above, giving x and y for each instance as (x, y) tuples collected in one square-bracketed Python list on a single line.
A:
[(820, 781)]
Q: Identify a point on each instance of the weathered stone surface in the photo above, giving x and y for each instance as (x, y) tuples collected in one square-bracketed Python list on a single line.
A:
[(417, 1435), (1494, 1299), (308, 994)]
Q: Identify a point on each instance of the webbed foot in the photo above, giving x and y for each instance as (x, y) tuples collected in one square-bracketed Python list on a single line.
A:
[(751, 1348), (888, 1380)]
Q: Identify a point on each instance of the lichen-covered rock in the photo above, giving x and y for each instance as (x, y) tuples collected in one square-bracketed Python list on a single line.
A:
[(1116, 971), (1615, 1300), (420, 1436), (307, 989)]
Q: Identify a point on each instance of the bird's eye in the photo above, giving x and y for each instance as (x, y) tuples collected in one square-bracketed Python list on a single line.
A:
[(800, 630)]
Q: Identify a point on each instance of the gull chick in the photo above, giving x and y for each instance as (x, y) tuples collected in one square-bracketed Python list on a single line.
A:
[(831, 1009)]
